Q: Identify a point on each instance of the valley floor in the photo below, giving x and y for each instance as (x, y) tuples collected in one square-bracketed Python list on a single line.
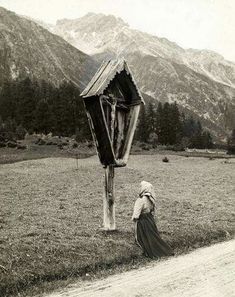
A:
[(51, 215)]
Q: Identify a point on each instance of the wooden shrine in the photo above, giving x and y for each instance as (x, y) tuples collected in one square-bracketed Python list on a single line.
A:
[(112, 102)]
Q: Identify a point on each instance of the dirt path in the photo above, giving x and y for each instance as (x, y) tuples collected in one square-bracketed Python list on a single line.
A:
[(205, 272)]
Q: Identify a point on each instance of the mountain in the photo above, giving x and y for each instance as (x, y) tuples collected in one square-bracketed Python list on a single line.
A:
[(28, 49), (200, 81), (98, 33)]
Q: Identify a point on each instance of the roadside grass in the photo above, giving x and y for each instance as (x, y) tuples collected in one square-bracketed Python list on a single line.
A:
[(33, 152), (51, 215)]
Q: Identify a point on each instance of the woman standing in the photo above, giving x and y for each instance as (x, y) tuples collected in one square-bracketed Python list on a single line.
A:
[(146, 232)]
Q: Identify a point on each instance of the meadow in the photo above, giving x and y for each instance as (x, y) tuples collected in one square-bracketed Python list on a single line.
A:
[(51, 214)]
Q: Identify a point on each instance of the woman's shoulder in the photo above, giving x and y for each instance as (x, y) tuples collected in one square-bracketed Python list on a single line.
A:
[(148, 199), (145, 197), (139, 200)]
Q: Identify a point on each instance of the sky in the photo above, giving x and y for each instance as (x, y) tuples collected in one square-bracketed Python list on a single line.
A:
[(199, 24)]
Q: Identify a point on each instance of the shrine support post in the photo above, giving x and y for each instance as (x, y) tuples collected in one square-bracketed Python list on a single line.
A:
[(109, 201)]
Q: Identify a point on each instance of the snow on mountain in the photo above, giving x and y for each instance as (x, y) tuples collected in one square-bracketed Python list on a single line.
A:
[(212, 65), (201, 81), (97, 33)]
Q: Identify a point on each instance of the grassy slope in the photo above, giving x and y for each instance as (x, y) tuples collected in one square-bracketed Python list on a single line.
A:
[(33, 152), (51, 213)]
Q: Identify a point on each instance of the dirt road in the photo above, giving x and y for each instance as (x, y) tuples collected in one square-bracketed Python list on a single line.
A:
[(206, 272)]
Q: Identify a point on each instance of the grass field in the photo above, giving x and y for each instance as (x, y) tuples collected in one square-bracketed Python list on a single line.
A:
[(51, 214), (84, 150), (33, 152)]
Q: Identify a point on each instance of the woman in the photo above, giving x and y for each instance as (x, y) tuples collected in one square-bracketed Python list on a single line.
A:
[(146, 232)]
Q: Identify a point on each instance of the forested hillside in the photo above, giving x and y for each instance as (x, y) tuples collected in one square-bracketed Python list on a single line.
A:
[(39, 107), (42, 108)]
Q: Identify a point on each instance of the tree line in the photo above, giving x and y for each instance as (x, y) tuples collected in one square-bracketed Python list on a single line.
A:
[(32, 106), (164, 124), (42, 108)]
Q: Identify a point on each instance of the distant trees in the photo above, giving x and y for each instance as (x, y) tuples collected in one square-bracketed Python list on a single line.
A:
[(41, 107), (231, 143), (37, 106), (142, 133), (166, 125)]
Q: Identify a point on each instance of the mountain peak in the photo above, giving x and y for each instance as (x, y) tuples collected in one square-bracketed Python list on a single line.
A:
[(109, 18), (2, 9), (93, 21)]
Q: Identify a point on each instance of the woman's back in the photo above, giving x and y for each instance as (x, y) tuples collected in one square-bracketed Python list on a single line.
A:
[(142, 205)]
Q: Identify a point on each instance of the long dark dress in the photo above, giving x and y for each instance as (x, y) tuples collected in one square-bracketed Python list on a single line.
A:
[(148, 237)]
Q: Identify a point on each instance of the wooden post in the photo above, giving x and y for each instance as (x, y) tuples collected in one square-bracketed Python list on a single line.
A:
[(109, 202)]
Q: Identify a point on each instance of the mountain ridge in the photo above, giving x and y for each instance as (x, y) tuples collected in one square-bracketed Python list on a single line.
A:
[(200, 81), (27, 49), (202, 85), (104, 22)]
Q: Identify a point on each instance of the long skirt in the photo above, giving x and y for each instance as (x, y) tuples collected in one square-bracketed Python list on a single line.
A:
[(148, 237)]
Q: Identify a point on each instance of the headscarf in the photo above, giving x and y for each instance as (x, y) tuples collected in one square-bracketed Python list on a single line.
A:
[(146, 189)]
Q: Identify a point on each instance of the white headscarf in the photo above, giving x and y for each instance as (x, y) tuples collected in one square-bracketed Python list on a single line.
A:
[(146, 189)]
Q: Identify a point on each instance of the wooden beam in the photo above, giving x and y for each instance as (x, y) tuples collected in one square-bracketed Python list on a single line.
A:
[(109, 201), (132, 119)]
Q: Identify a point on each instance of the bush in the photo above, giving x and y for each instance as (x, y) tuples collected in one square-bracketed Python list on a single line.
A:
[(20, 132), (231, 144), (178, 148), (12, 144), (165, 159), (21, 147), (31, 131), (40, 142), (2, 144), (169, 148), (145, 146)]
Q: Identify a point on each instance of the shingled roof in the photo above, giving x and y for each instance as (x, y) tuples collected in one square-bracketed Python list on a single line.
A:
[(105, 74)]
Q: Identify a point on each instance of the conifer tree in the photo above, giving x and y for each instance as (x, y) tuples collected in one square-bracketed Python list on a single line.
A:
[(150, 119), (231, 143), (166, 126), (207, 140), (159, 122), (43, 117), (26, 103), (142, 126), (175, 125), (7, 101)]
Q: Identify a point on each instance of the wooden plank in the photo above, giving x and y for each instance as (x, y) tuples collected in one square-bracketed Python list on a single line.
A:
[(109, 200), (100, 131), (131, 126)]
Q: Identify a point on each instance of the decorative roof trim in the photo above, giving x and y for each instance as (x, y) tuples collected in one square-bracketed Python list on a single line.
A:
[(116, 67)]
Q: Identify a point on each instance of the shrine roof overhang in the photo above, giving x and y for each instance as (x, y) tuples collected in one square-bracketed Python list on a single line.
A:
[(107, 72)]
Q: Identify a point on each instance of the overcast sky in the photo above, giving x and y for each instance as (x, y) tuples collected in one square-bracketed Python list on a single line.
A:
[(201, 24)]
